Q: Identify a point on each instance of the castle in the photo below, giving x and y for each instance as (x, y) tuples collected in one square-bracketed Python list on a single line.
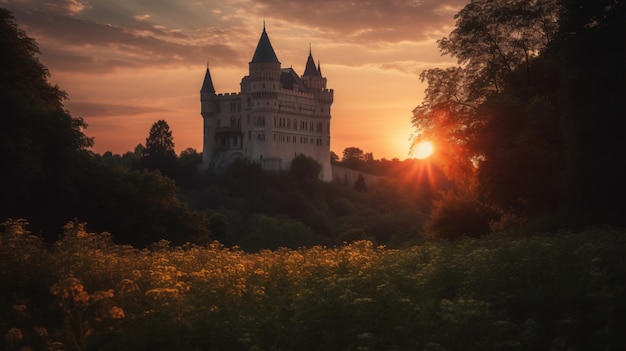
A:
[(276, 116)]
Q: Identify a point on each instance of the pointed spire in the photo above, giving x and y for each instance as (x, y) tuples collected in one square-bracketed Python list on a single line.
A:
[(207, 85), (319, 67), (310, 68), (264, 51)]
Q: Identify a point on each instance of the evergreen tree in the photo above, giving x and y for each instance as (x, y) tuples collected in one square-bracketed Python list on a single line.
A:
[(159, 153)]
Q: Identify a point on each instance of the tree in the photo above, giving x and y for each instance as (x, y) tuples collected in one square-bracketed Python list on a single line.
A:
[(353, 157), (491, 40), (42, 147), (534, 117), (458, 214), (588, 56), (159, 153), (21, 72), (305, 168), (352, 153), (359, 183), (188, 163)]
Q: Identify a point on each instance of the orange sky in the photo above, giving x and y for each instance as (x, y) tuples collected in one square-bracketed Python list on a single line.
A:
[(126, 64)]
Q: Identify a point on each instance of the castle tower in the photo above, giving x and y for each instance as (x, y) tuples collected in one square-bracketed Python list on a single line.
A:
[(207, 110), (277, 115), (312, 76), (264, 65)]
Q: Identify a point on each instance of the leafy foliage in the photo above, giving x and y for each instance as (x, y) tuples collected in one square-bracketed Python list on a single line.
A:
[(43, 148), (533, 119)]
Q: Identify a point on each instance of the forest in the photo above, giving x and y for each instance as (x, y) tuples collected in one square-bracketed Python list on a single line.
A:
[(509, 238)]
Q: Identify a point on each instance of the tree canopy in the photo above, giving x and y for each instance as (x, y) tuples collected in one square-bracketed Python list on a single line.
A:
[(532, 119), (42, 146), (159, 153)]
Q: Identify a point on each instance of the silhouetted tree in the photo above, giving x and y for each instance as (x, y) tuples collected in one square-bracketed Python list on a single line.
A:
[(491, 40), (359, 183), (42, 147), (534, 117), (352, 153), (159, 153), (353, 157), (187, 166)]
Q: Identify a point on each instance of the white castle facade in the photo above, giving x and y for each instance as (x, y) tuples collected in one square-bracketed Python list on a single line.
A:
[(276, 116)]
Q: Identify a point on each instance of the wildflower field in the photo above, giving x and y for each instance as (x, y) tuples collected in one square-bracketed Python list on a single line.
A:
[(563, 291)]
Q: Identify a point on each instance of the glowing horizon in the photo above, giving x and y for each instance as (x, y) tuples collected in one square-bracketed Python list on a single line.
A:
[(126, 65)]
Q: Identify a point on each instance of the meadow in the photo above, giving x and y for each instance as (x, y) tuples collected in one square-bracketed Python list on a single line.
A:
[(558, 291)]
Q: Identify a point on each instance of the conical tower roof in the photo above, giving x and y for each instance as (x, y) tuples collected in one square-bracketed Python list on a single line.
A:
[(310, 69), (264, 51), (207, 85)]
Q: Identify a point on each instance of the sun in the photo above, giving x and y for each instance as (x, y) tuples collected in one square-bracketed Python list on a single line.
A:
[(423, 149)]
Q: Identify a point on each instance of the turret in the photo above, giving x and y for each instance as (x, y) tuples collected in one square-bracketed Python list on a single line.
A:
[(312, 76), (207, 110), (264, 64)]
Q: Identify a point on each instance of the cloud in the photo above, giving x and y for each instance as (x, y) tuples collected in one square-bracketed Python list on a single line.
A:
[(115, 34), (90, 109), (367, 21), (67, 7), (74, 44)]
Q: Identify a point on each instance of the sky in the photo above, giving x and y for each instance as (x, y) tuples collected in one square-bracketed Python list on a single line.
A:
[(127, 63)]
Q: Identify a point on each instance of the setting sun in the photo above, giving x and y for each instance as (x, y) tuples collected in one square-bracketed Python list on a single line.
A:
[(423, 149)]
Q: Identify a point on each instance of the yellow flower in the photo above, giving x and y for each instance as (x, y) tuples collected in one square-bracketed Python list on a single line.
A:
[(116, 312)]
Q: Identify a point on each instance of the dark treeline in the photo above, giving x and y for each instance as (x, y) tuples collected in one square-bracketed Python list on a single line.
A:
[(253, 209)]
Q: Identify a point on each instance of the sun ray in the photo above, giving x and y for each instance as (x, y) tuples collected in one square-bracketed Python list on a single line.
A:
[(423, 150)]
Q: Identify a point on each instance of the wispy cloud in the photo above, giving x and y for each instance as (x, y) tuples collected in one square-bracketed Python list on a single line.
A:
[(103, 110), (102, 35)]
